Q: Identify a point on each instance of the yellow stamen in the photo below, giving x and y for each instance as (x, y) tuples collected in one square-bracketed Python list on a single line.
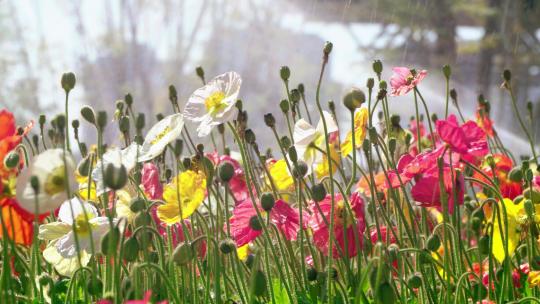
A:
[(160, 135), (55, 181), (214, 103)]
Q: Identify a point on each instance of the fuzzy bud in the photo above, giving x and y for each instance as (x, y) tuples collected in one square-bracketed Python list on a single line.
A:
[(269, 120), (12, 159), (377, 67), (183, 254), (267, 201), (300, 169), (285, 73), (284, 106), (115, 177), (447, 71), (293, 156), (68, 81), (354, 99), (227, 246), (88, 114), (131, 249), (327, 49), (226, 171), (318, 192)]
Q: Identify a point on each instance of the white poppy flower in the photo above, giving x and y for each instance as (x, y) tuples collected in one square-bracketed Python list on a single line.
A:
[(306, 136), (163, 133), (214, 103), (126, 157), (50, 169), (62, 252)]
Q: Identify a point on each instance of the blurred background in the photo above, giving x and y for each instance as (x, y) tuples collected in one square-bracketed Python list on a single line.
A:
[(142, 46)]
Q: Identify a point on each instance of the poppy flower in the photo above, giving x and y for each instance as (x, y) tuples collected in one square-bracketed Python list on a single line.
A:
[(54, 170), (182, 196), (160, 135), (345, 224), (214, 103), (246, 226), (360, 125), (468, 140), (280, 174), (427, 191), (503, 165), (62, 251), (150, 181), (126, 157), (404, 80), (309, 140)]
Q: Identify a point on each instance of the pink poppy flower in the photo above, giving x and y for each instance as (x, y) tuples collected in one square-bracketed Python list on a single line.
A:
[(404, 80), (468, 140), (246, 225), (150, 181), (345, 224), (427, 192), (237, 184)]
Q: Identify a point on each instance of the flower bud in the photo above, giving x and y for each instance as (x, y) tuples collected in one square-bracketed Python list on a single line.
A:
[(366, 145), (101, 119), (293, 156), (284, 106), (128, 99), (284, 73), (42, 120), (433, 243), (94, 286), (200, 72), (68, 81), (227, 246), (183, 254), (453, 95), (377, 67), (295, 96), (140, 121), (319, 192), (131, 249), (267, 201), (115, 177), (60, 122), (311, 274), (373, 136), (533, 195), (123, 124), (395, 120), (327, 49), (84, 167), (12, 159), (354, 99), (255, 223), (447, 71), (226, 171), (332, 106), (109, 242), (383, 85), (414, 280), (249, 135), (300, 169), (178, 147), (370, 83), (88, 114), (301, 88), (516, 174), (529, 208), (269, 120), (392, 143), (137, 204), (75, 124), (529, 106), (159, 117), (285, 142)]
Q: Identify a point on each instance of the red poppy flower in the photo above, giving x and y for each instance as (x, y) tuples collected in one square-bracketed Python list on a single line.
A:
[(345, 224)]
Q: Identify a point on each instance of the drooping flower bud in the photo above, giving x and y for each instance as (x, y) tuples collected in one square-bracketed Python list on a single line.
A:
[(227, 246), (267, 201), (354, 99), (131, 249), (300, 169), (433, 243), (225, 171), (183, 254), (12, 159), (137, 204)]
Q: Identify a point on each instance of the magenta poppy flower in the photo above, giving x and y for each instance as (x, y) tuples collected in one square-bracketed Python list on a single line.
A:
[(414, 126), (387, 236), (404, 80), (426, 192), (237, 184), (246, 226), (150, 181), (469, 140), (345, 224)]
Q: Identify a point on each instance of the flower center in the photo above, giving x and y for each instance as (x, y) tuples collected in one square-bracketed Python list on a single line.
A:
[(343, 217), (82, 225), (214, 103), (161, 135), (55, 181)]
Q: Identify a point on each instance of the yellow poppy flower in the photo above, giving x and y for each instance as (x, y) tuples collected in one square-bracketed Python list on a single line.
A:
[(182, 196), (243, 252), (281, 175), (321, 169), (516, 218), (360, 125), (534, 278), (84, 192)]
